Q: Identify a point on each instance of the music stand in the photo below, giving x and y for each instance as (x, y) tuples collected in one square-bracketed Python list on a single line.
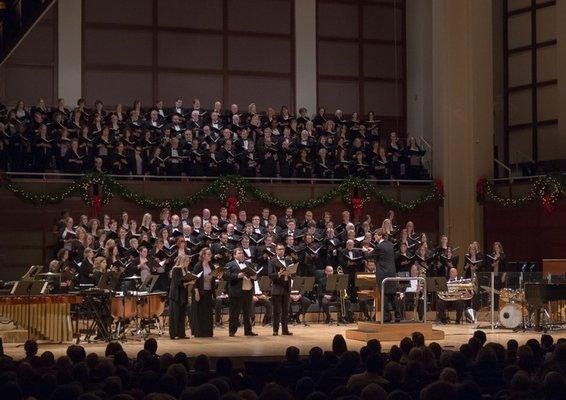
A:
[(108, 280), (220, 288), (150, 282), (32, 272), (338, 283), (265, 284), (303, 284)]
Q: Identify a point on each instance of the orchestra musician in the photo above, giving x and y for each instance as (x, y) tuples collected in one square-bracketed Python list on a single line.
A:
[(327, 298), (442, 306)]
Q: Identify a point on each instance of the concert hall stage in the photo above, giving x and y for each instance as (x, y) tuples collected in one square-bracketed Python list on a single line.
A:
[(266, 346)]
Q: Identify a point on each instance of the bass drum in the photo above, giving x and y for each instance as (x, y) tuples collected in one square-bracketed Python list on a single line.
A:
[(511, 316)]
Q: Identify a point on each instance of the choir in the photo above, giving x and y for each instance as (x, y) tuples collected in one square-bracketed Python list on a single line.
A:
[(193, 141)]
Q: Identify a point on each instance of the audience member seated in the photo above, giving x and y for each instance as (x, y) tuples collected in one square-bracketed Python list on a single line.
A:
[(196, 142), (431, 373)]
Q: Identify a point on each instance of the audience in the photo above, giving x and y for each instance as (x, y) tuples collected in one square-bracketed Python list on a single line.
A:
[(428, 373), (197, 142)]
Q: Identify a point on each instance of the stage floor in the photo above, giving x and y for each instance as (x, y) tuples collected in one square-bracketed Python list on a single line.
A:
[(267, 346)]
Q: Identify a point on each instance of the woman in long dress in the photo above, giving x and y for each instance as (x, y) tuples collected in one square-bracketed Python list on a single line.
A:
[(178, 299), (202, 296)]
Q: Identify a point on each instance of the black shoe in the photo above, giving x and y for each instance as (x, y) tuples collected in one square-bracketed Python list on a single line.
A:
[(232, 334), (250, 334), (275, 334), (287, 333)]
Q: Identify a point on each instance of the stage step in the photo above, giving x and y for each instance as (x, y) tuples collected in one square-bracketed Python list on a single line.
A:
[(396, 332)]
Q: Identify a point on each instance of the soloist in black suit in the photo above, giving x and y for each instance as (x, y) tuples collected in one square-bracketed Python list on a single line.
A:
[(280, 289), (241, 301)]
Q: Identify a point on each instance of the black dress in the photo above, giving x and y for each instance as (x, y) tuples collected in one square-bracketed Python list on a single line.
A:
[(201, 311), (178, 301)]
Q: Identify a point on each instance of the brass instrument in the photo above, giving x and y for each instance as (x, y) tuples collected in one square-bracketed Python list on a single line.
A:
[(461, 289), (343, 293)]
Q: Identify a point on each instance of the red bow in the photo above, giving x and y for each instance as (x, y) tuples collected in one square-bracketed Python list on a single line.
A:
[(548, 203), (439, 188), (96, 205), (358, 204), (480, 189), (232, 205)]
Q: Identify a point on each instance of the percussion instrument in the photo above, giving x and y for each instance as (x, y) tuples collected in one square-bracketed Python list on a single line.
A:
[(511, 316), (48, 317)]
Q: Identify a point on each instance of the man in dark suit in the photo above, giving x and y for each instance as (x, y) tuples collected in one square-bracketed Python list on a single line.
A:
[(385, 258), (280, 289), (240, 292), (352, 261)]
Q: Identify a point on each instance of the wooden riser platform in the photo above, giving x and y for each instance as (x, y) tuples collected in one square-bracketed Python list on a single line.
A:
[(375, 330)]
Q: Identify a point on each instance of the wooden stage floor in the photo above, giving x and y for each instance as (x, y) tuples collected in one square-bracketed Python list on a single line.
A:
[(267, 346)]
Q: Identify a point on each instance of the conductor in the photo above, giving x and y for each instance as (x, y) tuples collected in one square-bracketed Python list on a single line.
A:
[(384, 253)]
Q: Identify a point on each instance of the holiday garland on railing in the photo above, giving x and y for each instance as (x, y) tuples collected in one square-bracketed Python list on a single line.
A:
[(107, 187), (546, 190)]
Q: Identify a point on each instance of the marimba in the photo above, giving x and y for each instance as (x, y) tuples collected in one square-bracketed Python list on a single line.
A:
[(49, 316)]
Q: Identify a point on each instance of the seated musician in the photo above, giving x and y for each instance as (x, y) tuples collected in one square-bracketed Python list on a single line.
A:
[(442, 306), (261, 299), (221, 300), (328, 298), (303, 302), (365, 303), (409, 299)]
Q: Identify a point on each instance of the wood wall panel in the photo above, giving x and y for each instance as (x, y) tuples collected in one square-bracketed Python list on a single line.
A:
[(526, 232)]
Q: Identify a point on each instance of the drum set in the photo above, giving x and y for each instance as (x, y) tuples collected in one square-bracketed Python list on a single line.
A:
[(513, 310)]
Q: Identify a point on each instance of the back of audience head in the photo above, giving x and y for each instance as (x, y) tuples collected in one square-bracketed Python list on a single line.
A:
[(339, 345)]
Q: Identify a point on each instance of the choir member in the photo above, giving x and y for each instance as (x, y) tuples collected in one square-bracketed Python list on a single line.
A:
[(178, 299), (203, 295)]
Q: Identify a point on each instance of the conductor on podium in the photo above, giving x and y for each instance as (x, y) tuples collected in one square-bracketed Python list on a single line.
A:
[(384, 253)]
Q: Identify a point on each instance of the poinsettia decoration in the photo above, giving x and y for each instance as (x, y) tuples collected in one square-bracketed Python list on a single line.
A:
[(439, 188), (548, 203), (357, 205), (480, 190), (232, 204)]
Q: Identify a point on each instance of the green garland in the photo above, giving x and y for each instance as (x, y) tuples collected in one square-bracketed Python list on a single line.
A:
[(109, 187), (544, 188)]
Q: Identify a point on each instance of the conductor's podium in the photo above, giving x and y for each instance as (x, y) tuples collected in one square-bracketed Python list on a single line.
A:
[(392, 331)]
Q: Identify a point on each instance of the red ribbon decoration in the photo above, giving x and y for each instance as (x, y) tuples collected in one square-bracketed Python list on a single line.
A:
[(548, 203), (439, 188), (480, 189), (232, 205), (357, 203), (96, 205)]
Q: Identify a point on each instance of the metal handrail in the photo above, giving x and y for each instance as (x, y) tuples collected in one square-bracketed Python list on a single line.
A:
[(420, 279), (520, 178), (501, 164), (55, 175)]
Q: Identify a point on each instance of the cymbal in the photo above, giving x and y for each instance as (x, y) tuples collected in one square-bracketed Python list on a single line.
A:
[(488, 289), (133, 278), (50, 274)]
